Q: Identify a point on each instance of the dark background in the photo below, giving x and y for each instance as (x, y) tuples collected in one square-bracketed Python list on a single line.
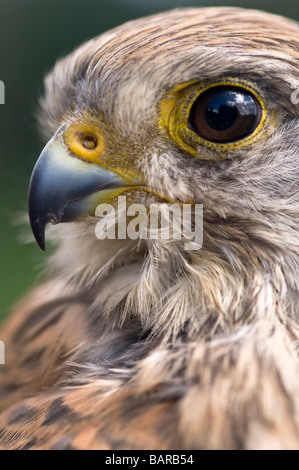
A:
[(33, 34)]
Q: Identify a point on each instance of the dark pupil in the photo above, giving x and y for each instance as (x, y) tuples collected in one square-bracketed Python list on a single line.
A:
[(225, 114), (221, 112)]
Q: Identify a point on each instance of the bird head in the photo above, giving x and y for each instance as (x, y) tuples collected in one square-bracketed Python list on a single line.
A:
[(192, 107)]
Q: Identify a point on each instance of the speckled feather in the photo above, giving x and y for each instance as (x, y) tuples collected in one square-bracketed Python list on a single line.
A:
[(147, 346)]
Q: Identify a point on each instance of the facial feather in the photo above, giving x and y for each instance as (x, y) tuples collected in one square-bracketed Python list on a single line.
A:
[(250, 198)]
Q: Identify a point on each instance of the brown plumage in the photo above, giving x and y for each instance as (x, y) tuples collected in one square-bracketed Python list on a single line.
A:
[(133, 345)]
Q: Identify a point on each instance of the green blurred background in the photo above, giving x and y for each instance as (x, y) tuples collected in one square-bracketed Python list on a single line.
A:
[(33, 34)]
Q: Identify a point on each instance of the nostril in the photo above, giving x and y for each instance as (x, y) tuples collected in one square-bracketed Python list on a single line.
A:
[(88, 141)]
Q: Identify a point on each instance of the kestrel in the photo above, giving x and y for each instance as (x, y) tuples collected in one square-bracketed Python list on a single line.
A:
[(144, 344)]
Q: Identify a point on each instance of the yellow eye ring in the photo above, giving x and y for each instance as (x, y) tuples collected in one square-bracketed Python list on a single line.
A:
[(175, 113), (84, 141)]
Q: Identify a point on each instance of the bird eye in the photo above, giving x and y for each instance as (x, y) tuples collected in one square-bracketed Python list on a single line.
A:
[(221, 116), (225, 114)]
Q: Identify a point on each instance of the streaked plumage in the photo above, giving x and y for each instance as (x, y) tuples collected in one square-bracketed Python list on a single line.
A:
[(147, 346)]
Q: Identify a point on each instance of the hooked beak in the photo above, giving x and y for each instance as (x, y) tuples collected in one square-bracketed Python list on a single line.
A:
[(63, 187)]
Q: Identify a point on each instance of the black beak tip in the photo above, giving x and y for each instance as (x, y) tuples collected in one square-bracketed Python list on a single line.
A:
[(42, 244), (36, 218), (38, 229)]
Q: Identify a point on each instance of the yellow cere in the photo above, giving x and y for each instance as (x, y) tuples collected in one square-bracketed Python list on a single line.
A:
[(84, 141), (175, 110)]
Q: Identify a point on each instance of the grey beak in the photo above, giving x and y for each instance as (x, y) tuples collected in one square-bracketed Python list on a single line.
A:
[(60, 183)]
